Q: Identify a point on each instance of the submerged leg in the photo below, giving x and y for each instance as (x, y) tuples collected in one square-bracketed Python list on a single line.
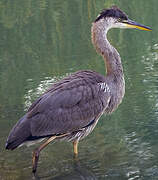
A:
[(75, 147), (36, 153)]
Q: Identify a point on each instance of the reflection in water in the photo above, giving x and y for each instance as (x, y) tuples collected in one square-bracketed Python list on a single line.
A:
[(78, 173), (44, 85), (32, 94), (43, 40)]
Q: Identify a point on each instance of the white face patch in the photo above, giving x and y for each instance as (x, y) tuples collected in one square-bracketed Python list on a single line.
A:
[(104, 87), (120, 25)]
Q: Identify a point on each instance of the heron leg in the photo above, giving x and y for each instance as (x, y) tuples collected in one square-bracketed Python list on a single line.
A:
[(36, 153), (75, 147)]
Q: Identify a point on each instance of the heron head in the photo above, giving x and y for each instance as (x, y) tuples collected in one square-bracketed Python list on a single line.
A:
[(115, 18)]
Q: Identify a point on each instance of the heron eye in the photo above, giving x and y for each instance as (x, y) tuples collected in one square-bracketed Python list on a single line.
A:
[(119, 19)]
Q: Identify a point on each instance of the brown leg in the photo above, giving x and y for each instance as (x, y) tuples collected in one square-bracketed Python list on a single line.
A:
[(75, 146), (36, 153)]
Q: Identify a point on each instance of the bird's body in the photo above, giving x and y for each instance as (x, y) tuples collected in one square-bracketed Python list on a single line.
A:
[(71, 108), (72, 105)]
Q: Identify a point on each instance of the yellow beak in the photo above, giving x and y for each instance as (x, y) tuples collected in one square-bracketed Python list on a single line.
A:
[(132, 24)]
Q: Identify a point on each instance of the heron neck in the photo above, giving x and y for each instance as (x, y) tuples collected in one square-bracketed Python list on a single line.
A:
[(110, 55)]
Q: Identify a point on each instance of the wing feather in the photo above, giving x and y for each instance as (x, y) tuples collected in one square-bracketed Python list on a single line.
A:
[(66, 109)]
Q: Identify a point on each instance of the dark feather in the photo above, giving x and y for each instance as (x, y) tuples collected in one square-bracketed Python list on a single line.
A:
[(19, 133), (67, 106), (114, 12)]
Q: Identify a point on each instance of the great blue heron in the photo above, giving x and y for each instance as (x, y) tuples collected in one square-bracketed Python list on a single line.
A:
[(71, 108)]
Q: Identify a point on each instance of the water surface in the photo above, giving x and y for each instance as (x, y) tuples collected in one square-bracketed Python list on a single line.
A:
[(44, 41)]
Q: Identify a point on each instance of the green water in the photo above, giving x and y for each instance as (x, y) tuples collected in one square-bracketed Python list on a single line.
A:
[(43, 41)]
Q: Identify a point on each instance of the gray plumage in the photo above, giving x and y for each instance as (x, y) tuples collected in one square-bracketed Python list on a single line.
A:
[(70, 105), (71, 108), (73, 105)]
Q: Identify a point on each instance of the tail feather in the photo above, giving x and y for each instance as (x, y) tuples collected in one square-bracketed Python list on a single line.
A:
[(12, 145), (19, 133)]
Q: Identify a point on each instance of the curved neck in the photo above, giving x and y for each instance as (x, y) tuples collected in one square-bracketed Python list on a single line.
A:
[(111, 56)]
